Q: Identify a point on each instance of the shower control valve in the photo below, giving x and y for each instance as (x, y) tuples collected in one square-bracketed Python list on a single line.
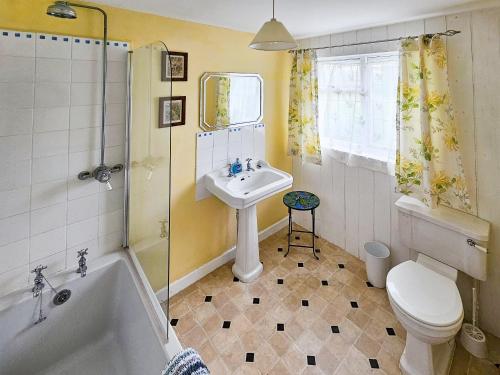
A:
[(102, 173)]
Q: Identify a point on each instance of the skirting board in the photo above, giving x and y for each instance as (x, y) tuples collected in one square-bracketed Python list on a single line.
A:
[(215, 263)]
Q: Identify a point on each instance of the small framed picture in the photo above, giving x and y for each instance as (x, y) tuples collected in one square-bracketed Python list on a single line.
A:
[(179, 66), (172, 111)]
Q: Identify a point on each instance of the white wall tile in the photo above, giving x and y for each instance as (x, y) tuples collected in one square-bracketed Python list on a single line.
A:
[(17, 69), (47, 87), (55, 263), (48, 94), (115, 135), (117, 51), (53, 70), (14, 255), (82, 161), (53, 46), (86, 49), (83, 231), (50, 143), (234, 146), (21, 45), (78, 189), (14, 228), (48, 218), (83, 208), (110, 242), (15, 174), (87, 116), (259, 142), (116, 93), (47, 243), (247, 143), (86, 71), (16, 121), (17, 147), (14, 279), (221, 142), (115, 114), (16, 95), (49, 169), (117, 71), (84, 139), (93, 252), (85, 94), (51, 119), (110, 222), (110, 200), (48, 193), (14, 202)]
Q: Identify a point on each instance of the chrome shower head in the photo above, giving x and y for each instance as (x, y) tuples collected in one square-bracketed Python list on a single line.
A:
[(61, 9)]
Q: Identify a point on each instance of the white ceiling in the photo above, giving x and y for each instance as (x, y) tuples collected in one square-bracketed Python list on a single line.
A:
[(301, 17)]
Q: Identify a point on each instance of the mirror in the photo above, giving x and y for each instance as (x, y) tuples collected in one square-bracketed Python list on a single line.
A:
[(230, 99)]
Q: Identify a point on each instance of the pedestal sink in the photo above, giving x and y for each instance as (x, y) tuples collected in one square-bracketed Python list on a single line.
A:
[(243, 192)]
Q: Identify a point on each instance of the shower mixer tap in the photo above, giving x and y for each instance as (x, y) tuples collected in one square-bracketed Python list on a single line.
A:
[(102, 174)]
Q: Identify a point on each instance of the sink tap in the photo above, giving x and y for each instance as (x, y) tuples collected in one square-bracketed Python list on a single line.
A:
[(39, 284), (82, 262), (230, 170), (249, 166)]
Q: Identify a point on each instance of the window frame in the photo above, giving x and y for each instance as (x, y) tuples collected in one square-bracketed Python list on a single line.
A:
[(366, 104)]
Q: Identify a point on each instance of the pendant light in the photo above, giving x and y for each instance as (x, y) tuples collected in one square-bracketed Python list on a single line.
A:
[(273, 36)]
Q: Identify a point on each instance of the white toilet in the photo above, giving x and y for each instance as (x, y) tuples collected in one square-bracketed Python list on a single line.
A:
[(423, 293)]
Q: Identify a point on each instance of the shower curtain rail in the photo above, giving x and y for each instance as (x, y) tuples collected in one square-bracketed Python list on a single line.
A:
[(445, 33)]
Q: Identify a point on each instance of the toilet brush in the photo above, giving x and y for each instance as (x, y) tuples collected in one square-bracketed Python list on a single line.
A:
[(472, 338)]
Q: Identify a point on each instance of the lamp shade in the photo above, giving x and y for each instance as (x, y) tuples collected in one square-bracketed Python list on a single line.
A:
[(273, 36)]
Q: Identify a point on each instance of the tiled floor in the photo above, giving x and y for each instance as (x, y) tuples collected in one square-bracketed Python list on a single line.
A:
[(302, 316)]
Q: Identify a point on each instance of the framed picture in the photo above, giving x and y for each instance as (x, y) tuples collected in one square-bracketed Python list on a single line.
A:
[(174, 106), (179, 68)]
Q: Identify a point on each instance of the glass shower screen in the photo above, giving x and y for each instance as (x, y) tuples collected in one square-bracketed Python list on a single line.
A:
[(149, 140)]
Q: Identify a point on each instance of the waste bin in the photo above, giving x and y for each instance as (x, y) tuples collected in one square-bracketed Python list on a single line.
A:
[(377, 263)]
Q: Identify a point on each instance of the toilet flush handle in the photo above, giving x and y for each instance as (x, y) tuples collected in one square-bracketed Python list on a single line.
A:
[(473, 243)]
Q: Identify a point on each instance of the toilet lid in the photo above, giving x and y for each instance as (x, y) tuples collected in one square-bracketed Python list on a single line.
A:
[(425, 295)]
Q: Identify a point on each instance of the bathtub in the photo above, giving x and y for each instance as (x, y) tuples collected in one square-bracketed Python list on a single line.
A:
[(112, 324)]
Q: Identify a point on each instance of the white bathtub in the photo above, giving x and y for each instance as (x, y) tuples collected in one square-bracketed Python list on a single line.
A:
[(112, 324)]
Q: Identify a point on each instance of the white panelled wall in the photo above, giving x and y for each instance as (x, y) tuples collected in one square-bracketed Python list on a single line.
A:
[(216, 149), (357, 205), (49, 132)]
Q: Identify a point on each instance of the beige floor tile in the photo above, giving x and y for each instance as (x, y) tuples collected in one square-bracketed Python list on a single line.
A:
[(307, 329)]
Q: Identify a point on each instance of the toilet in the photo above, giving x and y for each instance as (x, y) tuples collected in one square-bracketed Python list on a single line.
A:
[(423, 292)]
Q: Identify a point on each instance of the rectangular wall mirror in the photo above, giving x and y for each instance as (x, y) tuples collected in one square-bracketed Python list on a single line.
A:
[(230, 99)]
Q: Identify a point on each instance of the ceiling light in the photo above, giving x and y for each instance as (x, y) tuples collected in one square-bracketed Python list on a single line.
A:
[(273, 36)]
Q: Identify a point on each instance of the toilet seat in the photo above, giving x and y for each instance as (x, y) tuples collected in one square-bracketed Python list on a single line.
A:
[(424, 295)]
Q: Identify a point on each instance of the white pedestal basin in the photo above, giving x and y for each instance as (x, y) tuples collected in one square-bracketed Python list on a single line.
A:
[(243, 192)]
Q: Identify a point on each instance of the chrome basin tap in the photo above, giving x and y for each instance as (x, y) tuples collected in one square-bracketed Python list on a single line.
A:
[(249, 166), (82, 262), (38, 282)]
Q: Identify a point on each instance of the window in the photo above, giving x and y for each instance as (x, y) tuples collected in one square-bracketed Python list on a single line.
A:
[(357, 106)]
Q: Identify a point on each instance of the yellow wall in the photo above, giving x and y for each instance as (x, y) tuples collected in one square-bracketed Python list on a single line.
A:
[(201, 230)]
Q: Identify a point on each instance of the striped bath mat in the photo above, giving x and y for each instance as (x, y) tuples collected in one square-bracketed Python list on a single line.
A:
[(186, 362)]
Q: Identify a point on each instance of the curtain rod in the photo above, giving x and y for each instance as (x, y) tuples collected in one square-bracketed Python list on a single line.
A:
[(445, 33)]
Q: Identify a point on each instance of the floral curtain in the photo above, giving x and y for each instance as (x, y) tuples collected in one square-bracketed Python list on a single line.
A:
[(222, 104), (428, 161), (303, 134)]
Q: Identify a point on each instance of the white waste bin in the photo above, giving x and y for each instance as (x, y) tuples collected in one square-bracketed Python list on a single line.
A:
[(378, 263)]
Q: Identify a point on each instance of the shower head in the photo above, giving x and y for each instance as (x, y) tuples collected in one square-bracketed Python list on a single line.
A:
[(61, 9)]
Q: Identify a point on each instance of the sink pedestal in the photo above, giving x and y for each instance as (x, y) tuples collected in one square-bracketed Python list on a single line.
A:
[(247, 266)]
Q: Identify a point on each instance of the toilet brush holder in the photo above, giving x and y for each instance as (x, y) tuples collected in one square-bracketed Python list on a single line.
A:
[(472, 338)]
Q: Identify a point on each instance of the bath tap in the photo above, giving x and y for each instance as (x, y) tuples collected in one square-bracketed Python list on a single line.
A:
[(39, 285), (163, 230), (249, 166), (82, 262)]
